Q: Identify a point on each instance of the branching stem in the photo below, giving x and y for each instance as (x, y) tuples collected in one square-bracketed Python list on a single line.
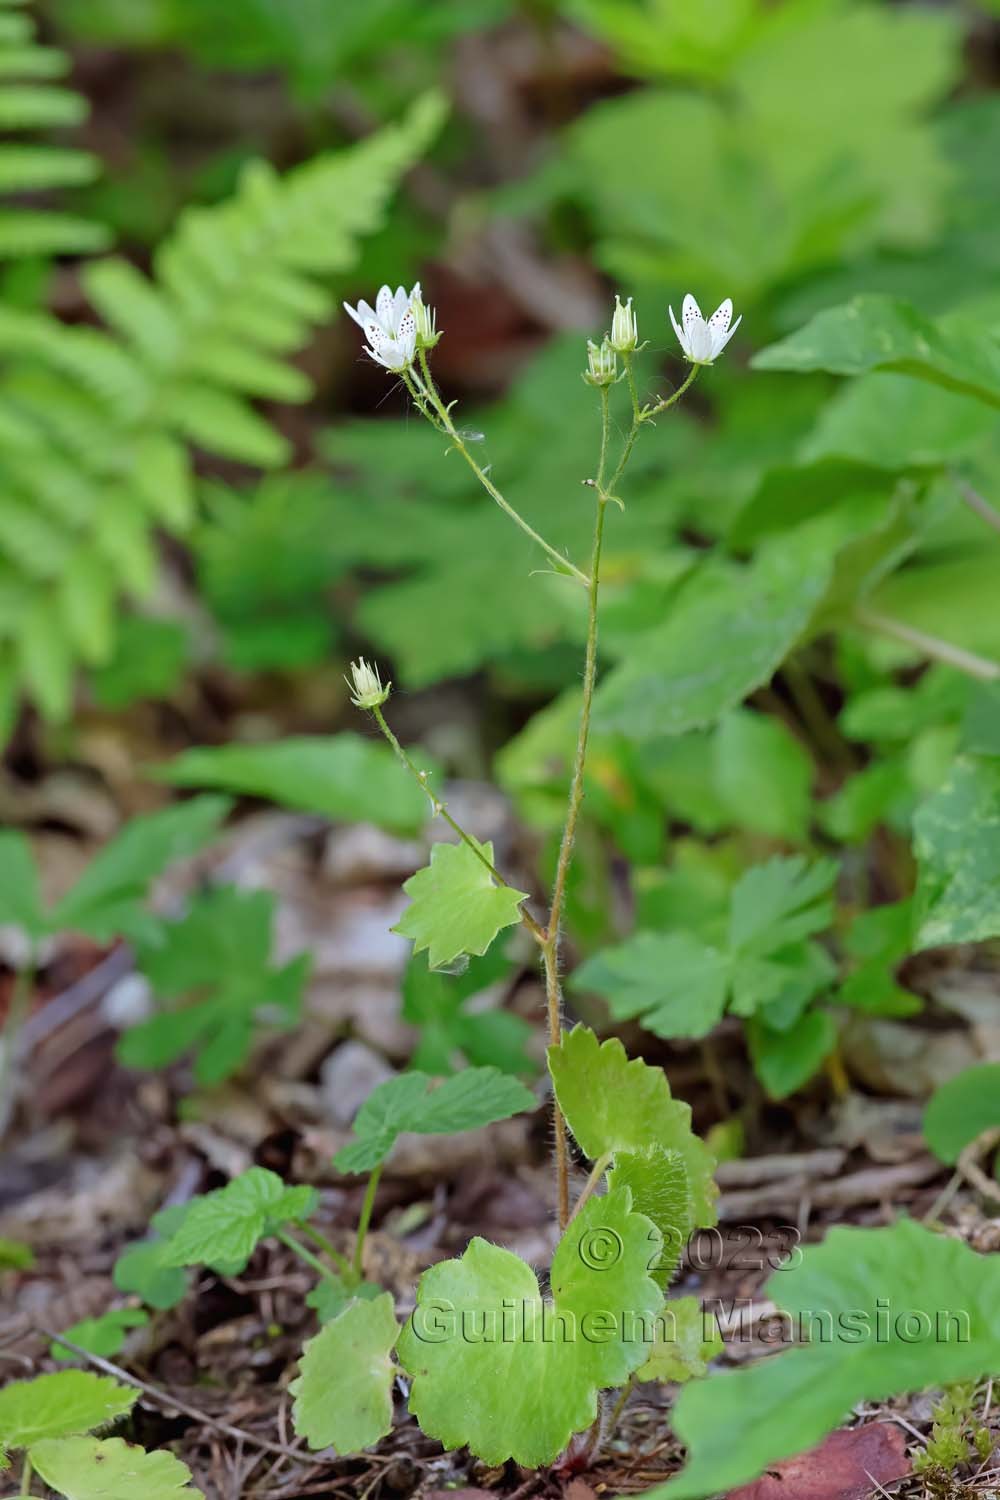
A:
[(340, 1261), (312, 1261), (425, 392), (968, 662)]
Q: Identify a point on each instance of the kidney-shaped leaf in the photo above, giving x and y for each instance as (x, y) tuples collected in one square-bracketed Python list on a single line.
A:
[(87, 1468), (512, 1375), (343, 1395), (613, 1105), (961, 1109)]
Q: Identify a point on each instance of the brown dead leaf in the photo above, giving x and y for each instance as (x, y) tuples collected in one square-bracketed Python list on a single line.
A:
[(848, 1465)]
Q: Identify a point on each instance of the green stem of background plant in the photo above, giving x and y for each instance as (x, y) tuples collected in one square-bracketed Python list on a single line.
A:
[(313, 1261), (979, 667), (20, 1003), (364, 1220), (26, 1474), (442, 812), (324, 1244), (423, 387)]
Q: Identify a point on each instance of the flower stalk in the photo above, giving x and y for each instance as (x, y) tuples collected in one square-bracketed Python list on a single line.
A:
[(702, 340)]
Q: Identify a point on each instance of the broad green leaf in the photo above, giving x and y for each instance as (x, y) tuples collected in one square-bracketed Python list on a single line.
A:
[(140, 1269), (105, 1335), (785, 1060), (658, 1182), (898, 423), (676, 984), (409, 1102), (956, 839), (20, 898), (15, 1255), (726, 634), (328, 1297), (227, 1225), (691, 1340), (781, 902), (482, 1344), (106, 901), (456, 907), (886, 1312), (56, 1406), (341, 777), (343, 1393), (614, 1105), (85, 1468), (880, 939), (214, 982), (882, 333), (451, 1028), (961, 1109), (763, 775)]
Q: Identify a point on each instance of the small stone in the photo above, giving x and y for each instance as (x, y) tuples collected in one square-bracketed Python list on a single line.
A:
[(348, 1076)]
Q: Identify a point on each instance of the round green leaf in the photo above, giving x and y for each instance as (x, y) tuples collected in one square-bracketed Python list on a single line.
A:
[(961, 1109), (343, 1396)]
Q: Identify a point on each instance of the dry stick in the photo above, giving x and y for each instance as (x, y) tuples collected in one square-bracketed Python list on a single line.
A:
[(968, 1164), (968, 662), (163, 1398)]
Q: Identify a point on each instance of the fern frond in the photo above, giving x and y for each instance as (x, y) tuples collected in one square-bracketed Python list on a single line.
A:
[(96, 424), (30, 100)]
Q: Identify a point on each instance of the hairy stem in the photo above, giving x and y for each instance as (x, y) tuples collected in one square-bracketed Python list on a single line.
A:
[(423, 389), (968, 662), (364, 1220), (550, 947), (26, 1473), (649, 412), (306, 1255), (619, 1406), (442, 811)]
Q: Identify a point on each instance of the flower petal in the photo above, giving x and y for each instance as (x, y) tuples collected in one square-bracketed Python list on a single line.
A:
[(690, 311), (356, 313), (722, 317), (722, 339), (383, 306), (681, 336)]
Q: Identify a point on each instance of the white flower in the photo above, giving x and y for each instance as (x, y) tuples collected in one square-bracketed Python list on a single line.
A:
[(366, 685), (703, 341), (624, 329), (602, 363), (390, 327)]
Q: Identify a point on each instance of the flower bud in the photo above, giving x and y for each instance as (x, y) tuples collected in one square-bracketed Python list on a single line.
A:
[(602, 363), (624, 329), (425, 320), (366, 685)]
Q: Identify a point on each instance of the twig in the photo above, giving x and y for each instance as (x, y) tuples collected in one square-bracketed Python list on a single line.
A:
[(968, 1164), (979, 667), (978, 503), (163, 1398)]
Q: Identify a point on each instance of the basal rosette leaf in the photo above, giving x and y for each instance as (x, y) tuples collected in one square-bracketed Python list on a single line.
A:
[(690, 1342), (613, 1105), (512, 1375), (87, 1468), (343, 1395), (658, 1181), (456, 906), (61, 1405)]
